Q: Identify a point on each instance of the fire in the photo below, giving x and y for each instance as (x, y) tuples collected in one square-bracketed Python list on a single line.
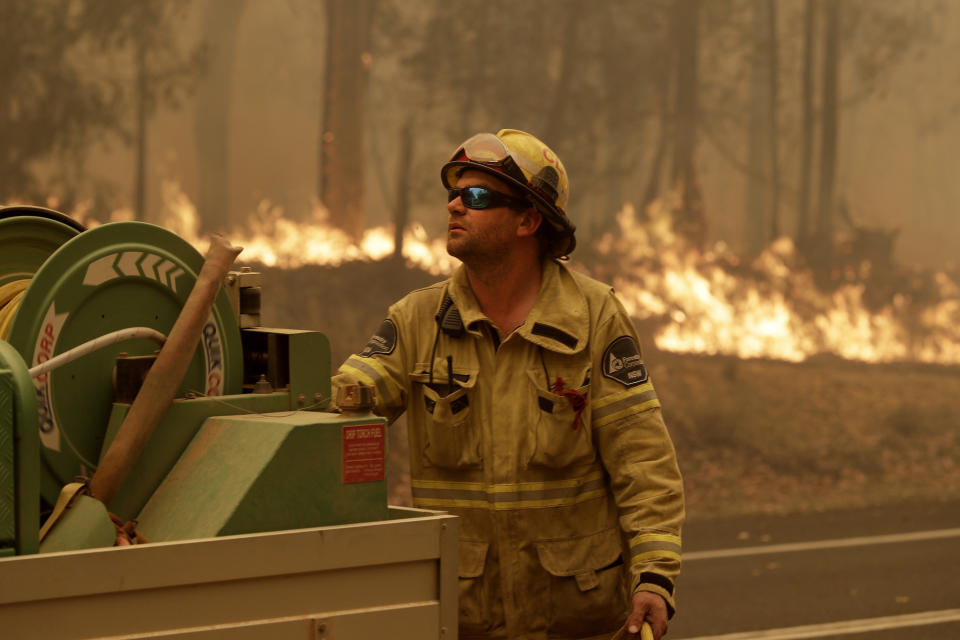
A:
[(267, 237), (705, 302), (770, 308), (275, 241)]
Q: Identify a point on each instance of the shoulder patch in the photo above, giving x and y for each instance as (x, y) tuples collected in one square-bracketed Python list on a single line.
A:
[(622, 362), (383, 341)]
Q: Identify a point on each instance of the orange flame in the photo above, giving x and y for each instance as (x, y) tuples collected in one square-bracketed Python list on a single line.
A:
[(707, 302), (275, 241), (775, 311)]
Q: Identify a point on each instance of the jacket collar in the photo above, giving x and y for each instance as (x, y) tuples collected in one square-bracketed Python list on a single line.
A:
[(559, 320)]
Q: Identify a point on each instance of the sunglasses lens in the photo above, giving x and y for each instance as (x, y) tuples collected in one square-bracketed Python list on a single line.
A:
[(476, 197), (473, 197)]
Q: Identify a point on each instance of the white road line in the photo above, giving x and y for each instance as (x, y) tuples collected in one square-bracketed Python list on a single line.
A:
[(822, 544), (844, 627)]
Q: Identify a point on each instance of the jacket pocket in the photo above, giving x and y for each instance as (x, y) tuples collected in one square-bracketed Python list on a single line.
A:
[(588, 586), (452, 441), (473, 604), (561, 429)]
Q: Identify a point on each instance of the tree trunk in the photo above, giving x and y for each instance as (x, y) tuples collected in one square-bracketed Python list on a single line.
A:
[(828, 145), (759, 168), (806, 135), (556, 108), (140, 179), (686, 30), (773, 139), (652, 191), (349, 27), (762, 222), (659, 161), (402, 195), (212, 126)]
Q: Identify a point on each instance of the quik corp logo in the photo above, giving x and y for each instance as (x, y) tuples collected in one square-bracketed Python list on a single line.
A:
[(44, 349), (622, 362), (212, 351)]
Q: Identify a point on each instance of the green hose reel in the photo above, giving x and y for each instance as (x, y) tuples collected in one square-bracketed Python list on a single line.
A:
[(28, 236), (111, 277)]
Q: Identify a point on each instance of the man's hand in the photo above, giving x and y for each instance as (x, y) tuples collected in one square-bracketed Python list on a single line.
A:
[(650, 607)]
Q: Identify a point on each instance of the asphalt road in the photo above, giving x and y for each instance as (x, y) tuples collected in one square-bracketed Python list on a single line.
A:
[(884, 574)]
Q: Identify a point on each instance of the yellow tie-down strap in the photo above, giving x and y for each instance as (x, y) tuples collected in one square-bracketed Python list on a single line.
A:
[(67, 494)]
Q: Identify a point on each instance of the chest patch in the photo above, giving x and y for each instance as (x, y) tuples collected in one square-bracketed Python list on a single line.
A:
[(622, 362), (383, 341)]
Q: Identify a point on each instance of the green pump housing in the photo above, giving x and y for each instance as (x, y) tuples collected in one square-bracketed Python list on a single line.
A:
[(245, 447)]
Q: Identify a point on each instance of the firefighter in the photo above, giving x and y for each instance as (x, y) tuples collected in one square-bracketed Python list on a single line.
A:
[(531, 415)]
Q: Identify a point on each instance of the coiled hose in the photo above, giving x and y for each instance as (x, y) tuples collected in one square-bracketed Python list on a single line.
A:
[(10, 295)]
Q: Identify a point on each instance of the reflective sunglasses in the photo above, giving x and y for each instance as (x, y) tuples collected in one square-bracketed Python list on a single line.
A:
[(479, 197)]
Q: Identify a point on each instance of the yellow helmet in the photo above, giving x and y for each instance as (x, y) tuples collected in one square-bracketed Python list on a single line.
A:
[(520, 159)]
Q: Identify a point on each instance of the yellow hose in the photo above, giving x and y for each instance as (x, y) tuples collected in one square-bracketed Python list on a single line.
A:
[(165, 375), (646, 632), (10, 295)]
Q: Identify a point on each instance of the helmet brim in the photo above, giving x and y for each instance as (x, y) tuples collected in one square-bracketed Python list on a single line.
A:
[(557, 220)]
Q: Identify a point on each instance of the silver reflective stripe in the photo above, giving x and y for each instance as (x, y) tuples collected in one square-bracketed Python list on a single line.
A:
[(450, 494), (654, 546), (508, 496), (496, 497), (383, 385), (624, 403)]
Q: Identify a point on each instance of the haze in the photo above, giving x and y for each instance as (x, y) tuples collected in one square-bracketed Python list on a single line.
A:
[(583, 75)]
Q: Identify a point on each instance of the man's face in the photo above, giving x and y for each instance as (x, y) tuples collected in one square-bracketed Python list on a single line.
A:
[(481, 234)]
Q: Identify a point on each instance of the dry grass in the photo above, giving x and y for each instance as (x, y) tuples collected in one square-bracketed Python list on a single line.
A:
[(766, 436)]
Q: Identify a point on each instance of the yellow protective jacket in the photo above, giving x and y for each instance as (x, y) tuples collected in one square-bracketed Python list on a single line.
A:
[(549, 445)]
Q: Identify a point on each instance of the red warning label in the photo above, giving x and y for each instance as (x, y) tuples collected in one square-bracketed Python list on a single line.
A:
[(364, 453)]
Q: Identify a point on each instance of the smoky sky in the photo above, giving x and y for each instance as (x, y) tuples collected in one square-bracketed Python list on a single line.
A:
[(896, 167)]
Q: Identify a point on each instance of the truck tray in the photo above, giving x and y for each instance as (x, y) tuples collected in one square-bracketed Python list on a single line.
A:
[(395, 578)]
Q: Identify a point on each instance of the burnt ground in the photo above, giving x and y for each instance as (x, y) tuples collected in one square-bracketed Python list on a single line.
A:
[(752, 436), (757, 436)]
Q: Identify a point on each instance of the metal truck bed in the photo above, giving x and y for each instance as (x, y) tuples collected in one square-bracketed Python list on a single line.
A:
[(395, 578)]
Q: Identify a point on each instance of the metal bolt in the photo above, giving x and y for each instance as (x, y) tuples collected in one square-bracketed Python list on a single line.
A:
[(318, 397), (301, 399)]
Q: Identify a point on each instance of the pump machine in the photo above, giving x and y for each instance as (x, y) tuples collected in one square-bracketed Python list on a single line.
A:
[(146, 494)]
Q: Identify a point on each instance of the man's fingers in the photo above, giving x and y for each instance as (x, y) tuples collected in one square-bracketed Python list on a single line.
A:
[(648, 619), (644, 631), (658, 629), (636, 619)]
